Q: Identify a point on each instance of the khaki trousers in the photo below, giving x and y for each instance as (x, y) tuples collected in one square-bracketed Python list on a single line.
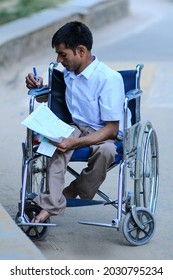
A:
[(89, 181)]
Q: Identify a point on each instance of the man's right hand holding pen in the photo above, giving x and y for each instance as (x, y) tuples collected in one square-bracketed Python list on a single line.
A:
[(33, 80)]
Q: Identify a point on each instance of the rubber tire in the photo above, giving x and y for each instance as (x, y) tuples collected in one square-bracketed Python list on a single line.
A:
[(135, 235)]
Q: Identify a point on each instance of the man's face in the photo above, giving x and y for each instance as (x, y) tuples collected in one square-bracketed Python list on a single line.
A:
[(71, 60)]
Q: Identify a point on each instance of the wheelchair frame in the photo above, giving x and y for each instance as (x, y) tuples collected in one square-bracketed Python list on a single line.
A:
[(139, 155)]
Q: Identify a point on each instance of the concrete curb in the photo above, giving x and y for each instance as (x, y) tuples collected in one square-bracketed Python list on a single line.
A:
[(22, 37), (14, 243)]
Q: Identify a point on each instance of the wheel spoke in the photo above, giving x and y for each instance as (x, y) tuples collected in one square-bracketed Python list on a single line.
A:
[(37, 233)]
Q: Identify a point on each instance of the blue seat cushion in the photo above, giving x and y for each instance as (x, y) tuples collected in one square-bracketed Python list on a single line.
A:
[(82, 154)]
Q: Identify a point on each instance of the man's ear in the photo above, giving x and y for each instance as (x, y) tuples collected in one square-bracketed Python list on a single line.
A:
[(81, 50)]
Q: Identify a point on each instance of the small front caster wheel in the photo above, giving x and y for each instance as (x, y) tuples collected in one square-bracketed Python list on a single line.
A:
[(35, 233), (133, 233)]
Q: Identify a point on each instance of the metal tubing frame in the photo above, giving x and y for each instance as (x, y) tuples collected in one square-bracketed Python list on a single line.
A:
[(24, 181), (22, 219), (29, 158), (122, 185), (123, 165)]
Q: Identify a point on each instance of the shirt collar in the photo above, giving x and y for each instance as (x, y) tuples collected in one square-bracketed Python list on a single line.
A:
[(90, 68), (86, 72)]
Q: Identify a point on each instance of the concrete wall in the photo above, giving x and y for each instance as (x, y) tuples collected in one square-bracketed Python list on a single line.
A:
[(24, 36)]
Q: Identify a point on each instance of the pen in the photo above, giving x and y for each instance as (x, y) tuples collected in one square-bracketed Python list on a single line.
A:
[(35, 74)]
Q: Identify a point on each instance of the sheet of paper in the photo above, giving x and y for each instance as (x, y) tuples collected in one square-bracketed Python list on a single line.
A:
[(47, 124), (46, 148)]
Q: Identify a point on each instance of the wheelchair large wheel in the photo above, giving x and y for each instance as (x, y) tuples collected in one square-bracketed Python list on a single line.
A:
[(146, 168), (133, 233), (35, 233), (36, 176)]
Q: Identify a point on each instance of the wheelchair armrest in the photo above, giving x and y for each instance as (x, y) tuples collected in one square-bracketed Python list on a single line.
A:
[(134, 93), (39, 91)]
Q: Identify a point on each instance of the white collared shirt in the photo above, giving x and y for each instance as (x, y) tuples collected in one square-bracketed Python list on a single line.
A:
[(95, 96)]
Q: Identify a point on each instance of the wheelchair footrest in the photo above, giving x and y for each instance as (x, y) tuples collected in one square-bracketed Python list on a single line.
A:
[(97, 224), (30, 224), (77, 202)]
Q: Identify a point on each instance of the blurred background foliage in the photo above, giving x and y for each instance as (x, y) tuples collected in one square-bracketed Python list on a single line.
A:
[(14, 9)]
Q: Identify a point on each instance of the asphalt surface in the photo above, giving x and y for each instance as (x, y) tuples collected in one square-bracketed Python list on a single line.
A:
[(145, 36)]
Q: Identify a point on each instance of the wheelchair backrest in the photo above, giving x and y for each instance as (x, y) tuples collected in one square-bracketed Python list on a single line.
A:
[(57, 97), (131, 81)]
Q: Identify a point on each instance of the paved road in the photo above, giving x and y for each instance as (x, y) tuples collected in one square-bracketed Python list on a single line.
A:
[(145, 36)]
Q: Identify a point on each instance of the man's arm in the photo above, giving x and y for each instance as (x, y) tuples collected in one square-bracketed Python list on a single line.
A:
[(109, 131)]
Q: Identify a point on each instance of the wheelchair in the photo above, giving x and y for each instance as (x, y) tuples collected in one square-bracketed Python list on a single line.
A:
[(137, 158)]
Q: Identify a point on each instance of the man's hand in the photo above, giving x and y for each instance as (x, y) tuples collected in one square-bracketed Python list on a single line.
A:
[(32, 83), (65, 145)]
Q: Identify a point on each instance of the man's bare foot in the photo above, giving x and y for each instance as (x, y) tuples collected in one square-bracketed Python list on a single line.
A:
[(41, 217)]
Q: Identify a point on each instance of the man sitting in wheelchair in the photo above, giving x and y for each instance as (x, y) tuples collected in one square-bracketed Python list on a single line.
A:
[(95, 98)]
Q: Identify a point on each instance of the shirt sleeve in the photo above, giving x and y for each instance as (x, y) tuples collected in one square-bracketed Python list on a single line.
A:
[(111, 98)]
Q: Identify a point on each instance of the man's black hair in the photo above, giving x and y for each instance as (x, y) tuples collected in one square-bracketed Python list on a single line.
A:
[(73, 34)]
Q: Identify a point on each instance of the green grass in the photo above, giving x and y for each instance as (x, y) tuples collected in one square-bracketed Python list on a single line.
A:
[(14, 9)]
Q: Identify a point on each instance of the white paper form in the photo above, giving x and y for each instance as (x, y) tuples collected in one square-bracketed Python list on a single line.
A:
[(46, 123), (46, 148)]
